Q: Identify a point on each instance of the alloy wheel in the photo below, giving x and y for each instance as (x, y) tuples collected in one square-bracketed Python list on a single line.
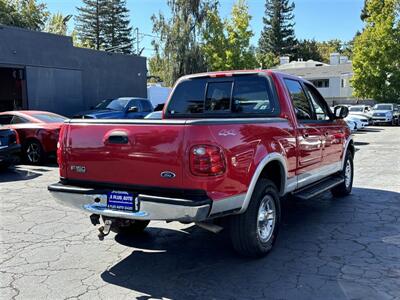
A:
[(266, 219)]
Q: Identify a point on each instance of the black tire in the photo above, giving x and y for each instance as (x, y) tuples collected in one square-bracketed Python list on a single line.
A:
[(246, 235), (33, 152), (346, 186)]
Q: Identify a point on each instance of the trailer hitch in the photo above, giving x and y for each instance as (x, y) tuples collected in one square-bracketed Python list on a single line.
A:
[(104, 230)]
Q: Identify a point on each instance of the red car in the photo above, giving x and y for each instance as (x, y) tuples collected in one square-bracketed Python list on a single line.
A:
[(38, 132), (230, 146)]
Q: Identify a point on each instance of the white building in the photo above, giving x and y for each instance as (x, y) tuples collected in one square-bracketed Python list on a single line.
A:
[(332, 80), (157, 93)]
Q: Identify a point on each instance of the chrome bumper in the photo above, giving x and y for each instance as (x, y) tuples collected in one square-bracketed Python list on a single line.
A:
[(151, 207)]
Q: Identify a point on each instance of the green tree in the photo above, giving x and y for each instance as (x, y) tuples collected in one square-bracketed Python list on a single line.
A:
[(57, 24), (117, 31), (178, 47), (27, 14), (267, 60), (226, 43), (90, 23), (308, 49), (325, 48), (376, 54), (239, 54), (278, 35)]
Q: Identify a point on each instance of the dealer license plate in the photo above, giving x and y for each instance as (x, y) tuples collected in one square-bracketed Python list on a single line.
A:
[(120, 200)]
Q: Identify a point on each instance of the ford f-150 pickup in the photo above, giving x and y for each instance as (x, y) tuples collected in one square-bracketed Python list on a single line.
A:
[(230, 145)]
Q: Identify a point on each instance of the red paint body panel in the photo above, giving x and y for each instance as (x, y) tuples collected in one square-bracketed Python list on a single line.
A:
[(154, 148), (46, 133)]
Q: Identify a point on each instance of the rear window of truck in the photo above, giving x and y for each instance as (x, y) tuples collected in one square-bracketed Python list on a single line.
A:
[(236, 96)]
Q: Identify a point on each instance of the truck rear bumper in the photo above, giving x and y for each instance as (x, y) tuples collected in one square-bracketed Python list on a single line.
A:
[(151, 207)]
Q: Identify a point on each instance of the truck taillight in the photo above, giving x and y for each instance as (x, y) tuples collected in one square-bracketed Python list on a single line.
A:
[(207, 160), (60, 151)]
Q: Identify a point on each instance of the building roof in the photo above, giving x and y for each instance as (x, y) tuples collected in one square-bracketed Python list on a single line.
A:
[(320, 72)]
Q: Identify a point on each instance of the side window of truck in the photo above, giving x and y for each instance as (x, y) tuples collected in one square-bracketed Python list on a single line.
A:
[(146, 105), (317, 102), (300, 101)]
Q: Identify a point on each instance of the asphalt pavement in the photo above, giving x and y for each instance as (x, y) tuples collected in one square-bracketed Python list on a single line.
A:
[(328, 248)]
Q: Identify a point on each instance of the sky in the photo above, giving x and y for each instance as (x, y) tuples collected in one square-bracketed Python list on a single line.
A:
[(315, 19)]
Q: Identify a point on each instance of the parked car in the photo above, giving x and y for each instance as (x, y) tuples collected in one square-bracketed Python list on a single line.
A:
[(120, 108), (156, 115), (386, 113), (9, 147), (363, 111), (37, 130), (352, 125), (229, 147), (361, 121)]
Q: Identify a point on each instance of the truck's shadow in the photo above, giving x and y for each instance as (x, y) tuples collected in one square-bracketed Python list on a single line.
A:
[(323, 252)]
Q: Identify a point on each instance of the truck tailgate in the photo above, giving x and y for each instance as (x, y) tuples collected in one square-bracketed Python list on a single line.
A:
[(130, 152)]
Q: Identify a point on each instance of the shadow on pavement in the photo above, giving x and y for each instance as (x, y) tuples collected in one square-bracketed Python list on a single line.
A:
[(327, 249), (14, 174), (361, 143), (365, 130)]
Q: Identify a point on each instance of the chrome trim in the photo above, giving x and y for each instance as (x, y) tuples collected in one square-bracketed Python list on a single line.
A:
[(148, 210), (227, 204), (314, 175), (291, 184), (270, 157)]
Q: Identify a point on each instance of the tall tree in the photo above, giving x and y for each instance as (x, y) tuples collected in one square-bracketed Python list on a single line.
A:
[(308, 49), (325, 48), (117, 31), (90, 23), (376, 58), (278, 35), (57, 24), (226, 43), (27, 14), (178, 48)]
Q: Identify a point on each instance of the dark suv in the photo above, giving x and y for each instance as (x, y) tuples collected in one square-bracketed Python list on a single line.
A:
[(120, 108), (9, 147)]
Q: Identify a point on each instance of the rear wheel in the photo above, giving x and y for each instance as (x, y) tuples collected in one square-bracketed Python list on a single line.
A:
[(346, 186), (33, 152), (254, 232)]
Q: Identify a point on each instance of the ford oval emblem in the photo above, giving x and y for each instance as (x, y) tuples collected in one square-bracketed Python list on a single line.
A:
[(168, 174)]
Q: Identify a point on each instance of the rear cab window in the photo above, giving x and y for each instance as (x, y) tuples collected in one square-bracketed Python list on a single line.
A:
[(233, 96)]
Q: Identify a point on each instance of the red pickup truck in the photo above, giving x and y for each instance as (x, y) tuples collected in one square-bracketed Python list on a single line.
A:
[(230, 145)]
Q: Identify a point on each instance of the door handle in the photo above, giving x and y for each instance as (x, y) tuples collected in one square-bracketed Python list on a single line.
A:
[(118, 137)]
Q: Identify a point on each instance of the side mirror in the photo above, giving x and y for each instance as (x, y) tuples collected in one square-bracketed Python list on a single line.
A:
[(132, 109), (341, 112)]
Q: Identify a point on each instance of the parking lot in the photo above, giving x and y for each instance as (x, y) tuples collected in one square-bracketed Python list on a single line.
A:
[(328, 248)]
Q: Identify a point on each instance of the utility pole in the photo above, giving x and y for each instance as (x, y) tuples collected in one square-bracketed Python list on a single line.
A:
[(137, 40)]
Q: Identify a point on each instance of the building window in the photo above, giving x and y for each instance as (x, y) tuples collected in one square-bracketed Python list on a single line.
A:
[(320, 83), (343, 83)]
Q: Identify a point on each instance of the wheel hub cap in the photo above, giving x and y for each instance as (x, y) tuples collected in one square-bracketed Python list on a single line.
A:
[(347, 174), (266, 219)]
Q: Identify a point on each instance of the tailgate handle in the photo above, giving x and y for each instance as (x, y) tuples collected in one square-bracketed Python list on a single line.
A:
[(118, 138)]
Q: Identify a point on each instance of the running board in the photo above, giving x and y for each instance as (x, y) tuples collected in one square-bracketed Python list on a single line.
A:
[(318, 187)]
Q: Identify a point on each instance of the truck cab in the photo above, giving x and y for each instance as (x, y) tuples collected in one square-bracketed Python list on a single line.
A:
[(229, 146)]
